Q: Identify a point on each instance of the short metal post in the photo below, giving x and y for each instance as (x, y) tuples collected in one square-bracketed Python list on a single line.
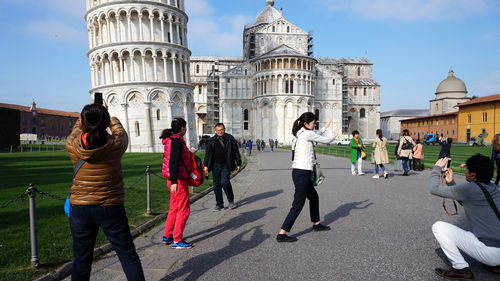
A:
[(148, 190), (31, 147), (11, 149), (35, 262)]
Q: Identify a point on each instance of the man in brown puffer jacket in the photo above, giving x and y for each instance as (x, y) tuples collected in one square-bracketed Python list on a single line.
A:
[(97, 195)]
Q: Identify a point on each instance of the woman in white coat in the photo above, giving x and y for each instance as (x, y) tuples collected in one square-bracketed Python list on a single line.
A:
[(302, 168), (381, 156)]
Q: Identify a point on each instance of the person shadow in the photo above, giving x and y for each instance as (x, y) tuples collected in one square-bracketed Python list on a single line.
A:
[(232, 224), (341, 212), (258, 197), (195, 267)]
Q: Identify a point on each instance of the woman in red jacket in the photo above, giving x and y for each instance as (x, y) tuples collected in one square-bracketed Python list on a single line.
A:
[(176, 160)]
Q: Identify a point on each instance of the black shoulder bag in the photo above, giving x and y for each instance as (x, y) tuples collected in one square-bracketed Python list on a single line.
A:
[(490, 199)]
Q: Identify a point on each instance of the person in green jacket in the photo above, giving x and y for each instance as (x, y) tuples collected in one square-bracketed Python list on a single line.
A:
[(356, 147)]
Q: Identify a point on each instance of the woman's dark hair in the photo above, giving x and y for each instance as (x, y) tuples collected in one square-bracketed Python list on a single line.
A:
[(406, 132), (449, 140), (355, 132), (306, 117), (481, 166), (379, 134), (417, 141), (177, 124), (95, 120)]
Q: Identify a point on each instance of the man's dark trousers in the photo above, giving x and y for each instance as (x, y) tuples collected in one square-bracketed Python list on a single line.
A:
[(221, 176)]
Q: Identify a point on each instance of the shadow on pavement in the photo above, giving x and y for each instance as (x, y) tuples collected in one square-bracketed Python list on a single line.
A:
[(260, 196), (195, 267), (232, 224), (341, 212)]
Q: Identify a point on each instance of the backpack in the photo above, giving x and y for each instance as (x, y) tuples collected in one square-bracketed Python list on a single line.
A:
[(196, 172)]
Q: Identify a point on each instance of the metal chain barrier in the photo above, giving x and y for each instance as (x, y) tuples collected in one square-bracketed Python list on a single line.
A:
[(136, 182), (49, 195), (20, 197), (158, 176)]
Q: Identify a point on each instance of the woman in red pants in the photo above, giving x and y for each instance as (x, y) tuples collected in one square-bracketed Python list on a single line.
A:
[(176, 160)]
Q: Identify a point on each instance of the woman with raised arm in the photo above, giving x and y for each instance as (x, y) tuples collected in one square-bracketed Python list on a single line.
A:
[(97, 194), (302, 169)]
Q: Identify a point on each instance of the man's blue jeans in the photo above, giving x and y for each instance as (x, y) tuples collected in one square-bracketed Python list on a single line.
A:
[(221, 175), (85, 222)]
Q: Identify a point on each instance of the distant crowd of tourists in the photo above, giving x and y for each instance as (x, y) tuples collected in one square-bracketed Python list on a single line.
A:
[(97, 194)]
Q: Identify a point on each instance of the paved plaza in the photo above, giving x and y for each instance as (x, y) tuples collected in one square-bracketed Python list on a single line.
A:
[(381, 230)]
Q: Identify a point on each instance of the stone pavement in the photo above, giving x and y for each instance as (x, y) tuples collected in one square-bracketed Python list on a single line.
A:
[(381, 230)]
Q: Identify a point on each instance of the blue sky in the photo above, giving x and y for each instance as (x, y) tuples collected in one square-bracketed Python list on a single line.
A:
[(412, 43)]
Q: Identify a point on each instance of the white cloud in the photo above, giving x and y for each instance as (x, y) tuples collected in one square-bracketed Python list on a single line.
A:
[(216, 34), (72, 8), (56, 31), (408, 10)]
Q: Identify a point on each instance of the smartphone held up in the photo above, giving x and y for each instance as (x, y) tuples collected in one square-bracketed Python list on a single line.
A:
[(448, 165), (98, 98)]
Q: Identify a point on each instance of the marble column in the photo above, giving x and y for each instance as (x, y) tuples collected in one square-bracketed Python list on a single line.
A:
[(149, 131), (127, 126)]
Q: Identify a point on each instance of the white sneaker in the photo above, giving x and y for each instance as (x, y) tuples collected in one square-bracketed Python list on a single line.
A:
[(376, 176), (361, 173), (353, 173)]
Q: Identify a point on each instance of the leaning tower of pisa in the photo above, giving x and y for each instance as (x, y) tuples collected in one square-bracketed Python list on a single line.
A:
[(139, 60)]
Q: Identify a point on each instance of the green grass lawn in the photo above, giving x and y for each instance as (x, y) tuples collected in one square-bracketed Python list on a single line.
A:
[(52, 172), (459, 153)]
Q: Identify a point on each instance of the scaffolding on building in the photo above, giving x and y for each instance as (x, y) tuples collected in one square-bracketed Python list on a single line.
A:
[(345, 102), (212, 100), (310, 43)]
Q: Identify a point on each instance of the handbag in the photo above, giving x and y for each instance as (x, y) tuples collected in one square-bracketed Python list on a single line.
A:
[(363, 154), (317, 176), (406, 145), (67, 204)]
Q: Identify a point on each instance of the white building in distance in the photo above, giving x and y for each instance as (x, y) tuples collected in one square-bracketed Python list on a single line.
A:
[(139, 60), (260, 95)]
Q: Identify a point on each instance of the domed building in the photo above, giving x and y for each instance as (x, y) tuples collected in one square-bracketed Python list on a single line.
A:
[(261, 94), (450, 92)]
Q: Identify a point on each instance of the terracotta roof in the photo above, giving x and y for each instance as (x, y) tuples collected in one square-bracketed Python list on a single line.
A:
[(432, 116), (40, 110), (481, 100)]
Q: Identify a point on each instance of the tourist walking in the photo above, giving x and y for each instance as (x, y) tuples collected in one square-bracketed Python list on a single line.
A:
[(97, 194), (263, 145), (445, 148), (381, 155), (249, 147), (405, 147), (356, 155), (303, 158), (495, 155), (176, 160), (222, 157), (271, 145), (417, 156), (481, 201)]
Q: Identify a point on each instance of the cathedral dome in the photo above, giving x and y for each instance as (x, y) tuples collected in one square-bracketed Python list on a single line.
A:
[(268, 15), (451, 84)]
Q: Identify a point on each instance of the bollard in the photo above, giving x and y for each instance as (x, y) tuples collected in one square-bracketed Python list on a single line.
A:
[(35, 262), (11, 149), (148, 190)]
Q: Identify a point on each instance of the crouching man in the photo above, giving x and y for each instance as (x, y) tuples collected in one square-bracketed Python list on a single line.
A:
[(482, 242)]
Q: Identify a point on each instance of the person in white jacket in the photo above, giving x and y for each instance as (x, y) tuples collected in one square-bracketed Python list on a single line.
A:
[(302, 168)]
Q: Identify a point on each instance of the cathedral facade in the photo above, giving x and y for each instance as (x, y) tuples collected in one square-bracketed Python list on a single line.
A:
[(260, 95)]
